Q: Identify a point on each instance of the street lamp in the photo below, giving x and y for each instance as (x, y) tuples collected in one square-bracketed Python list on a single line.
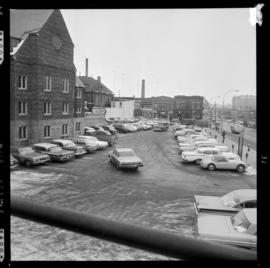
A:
[(230, 90)]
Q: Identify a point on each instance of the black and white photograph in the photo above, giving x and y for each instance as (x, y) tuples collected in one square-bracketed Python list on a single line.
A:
[(133, 133)]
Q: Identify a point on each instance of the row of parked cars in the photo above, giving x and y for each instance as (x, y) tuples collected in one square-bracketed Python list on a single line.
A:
[(230, 219), (196, 146), (59, 150)]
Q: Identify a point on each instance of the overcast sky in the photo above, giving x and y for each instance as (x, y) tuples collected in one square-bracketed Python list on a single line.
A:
[(177, 51)]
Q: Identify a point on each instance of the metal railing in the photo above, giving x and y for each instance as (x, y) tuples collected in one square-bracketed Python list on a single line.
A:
[(155, 241)]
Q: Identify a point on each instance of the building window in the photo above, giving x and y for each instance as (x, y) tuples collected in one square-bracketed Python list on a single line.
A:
[(65, 129), (48, 83), (78, 126), (66, 85), (65, 108), (47, 108), (22, 83), (78, 93), (47, 131), (22, 108), (78, 109), (23, 133)]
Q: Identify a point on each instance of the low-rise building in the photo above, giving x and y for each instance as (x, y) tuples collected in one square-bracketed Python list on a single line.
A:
[(121, 107)]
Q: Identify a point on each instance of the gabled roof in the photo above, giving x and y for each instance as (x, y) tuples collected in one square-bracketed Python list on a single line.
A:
[(79, 83), (93, 85), (23, 22)]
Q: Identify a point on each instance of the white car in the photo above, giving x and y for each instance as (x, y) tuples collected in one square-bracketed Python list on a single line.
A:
[(196, 144), (100, 144), (221, 161), (239, 230), (227, 204), (131, 127), (197, 155)]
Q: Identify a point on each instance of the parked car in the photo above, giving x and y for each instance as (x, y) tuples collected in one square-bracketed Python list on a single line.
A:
[(100, 144), (88, 145), (125, 158), (109, 128), (161, 127), (103, 136), (185, 146), (13, 162), (131, 127), (55, 152), (179, 127), (70, 146), (98, 128), (197, 155), (138, 126), (223, 162), (28, 157), (145, 126), (229, 203), (121, 128), (184, 132), (89, 130), (239, 230)]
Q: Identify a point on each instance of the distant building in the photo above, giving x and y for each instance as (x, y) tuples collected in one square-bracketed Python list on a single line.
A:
[(121, 107), (42, 78), (97, 95), (244, 103), (189, 107)]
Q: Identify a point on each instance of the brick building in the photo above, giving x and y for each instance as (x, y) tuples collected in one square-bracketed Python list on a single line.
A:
[(190, 107), (97, 95), (42, 78)]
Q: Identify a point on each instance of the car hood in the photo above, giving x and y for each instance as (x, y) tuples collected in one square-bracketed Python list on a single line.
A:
[(102, 143), (212, 203), (191, 153), (63, 152), (130, 159), (211, 225)]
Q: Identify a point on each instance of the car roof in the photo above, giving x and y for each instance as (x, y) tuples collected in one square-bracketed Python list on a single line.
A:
[(208, 148), (251, 214), (45, 145), (229, 154), (63, 141), (124, 149)]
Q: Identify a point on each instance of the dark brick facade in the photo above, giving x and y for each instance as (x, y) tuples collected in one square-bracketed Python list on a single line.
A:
[(36, 59)]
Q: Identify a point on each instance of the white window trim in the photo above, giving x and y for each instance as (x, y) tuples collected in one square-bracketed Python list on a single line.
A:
[(47, 137), (26, 133), (48, 106), (23, 88), (78, 111), (66, 86), (78, 96), (67, 106), (48, 82), (26, 108)]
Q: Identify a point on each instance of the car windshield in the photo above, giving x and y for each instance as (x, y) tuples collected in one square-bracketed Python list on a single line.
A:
[(126, 154), (230, 200), (55, 149), (26, 150), (240, 222), (70, 144)]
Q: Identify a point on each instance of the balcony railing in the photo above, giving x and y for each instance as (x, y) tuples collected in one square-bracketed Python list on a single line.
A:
[(154, 241)]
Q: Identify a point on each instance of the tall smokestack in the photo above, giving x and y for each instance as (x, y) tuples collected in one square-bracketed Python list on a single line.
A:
[(143, 89), (86, 67)]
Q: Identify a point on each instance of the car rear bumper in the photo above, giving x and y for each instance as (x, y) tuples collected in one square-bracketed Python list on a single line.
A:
[(131, 165)]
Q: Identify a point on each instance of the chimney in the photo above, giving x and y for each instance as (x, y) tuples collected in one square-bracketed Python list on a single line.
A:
[(143, 89), (86, 67), (98, 78)]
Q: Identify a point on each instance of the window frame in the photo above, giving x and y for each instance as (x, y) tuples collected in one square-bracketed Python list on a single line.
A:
[(48, 83), (23, 108), (22, 85), (64, 129), (47, 130), (24, 132), (65, 105), (47, 106), (66, 85)]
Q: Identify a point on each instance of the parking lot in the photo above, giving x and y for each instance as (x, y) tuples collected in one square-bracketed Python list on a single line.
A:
[(158, 195)]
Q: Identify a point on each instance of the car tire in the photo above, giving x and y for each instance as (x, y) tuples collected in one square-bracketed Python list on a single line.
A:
[(197, 161), (240, 168), (28, 163), (211, 167)]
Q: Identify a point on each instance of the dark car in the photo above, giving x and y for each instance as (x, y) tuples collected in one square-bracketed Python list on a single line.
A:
[(28, 157), (103, 136), (70, 146), (109, 128), (160, 127), (121, 128), (55, 152), (13, 162)]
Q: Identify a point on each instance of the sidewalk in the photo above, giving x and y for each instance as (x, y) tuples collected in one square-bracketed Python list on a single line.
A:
[(252, 154)]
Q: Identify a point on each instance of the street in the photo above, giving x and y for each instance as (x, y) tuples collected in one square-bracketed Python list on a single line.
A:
[(250, 135), (159, 195)]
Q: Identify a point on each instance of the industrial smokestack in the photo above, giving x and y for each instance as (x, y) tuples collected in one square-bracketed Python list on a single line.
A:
[(143, 89), (86, 67)]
